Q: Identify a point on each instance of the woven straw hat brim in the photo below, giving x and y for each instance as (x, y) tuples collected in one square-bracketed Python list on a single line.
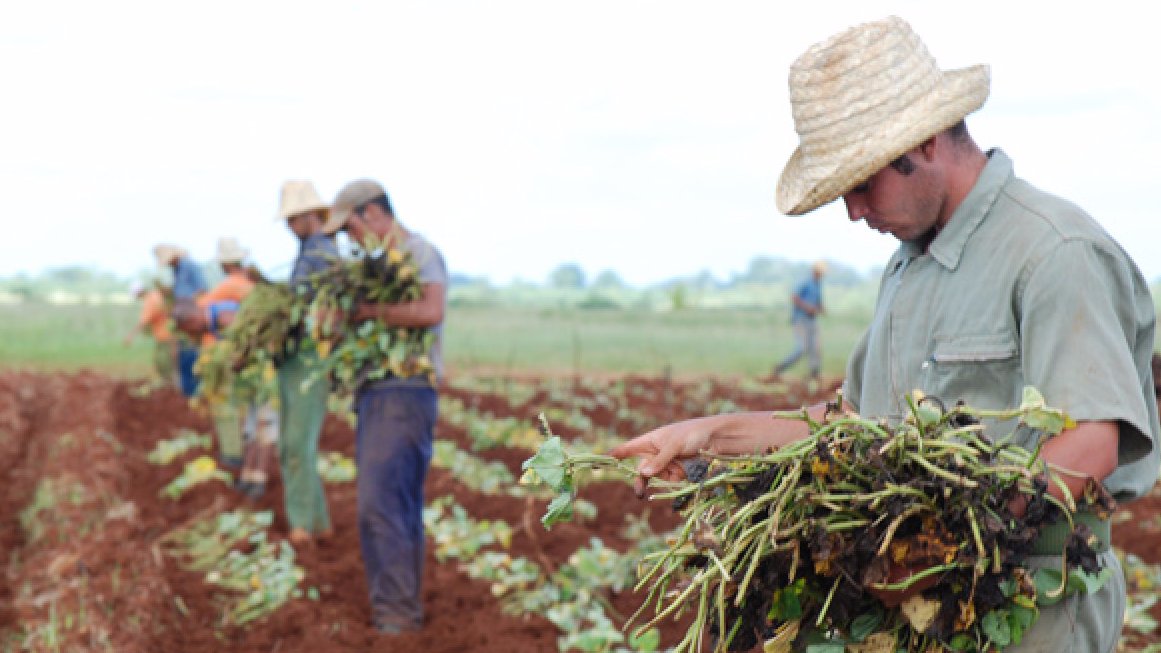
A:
[(286, 214), (298, 197), (806, 185)]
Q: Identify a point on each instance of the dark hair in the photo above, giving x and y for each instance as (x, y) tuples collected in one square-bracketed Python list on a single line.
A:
[(958, 132), (381, 201), (903, 165)]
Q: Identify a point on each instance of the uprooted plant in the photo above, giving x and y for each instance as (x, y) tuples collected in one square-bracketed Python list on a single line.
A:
[(866, 535)]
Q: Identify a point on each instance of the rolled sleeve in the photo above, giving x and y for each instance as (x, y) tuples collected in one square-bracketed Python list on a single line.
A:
[(1079, 314)]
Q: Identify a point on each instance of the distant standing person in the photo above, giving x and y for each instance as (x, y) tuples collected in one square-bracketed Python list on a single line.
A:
[(154, 321), (188, 283), (303, 398), (396, 418), (807, 306)]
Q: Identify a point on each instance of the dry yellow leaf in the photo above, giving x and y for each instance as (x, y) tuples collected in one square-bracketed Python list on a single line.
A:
[(920, 612)]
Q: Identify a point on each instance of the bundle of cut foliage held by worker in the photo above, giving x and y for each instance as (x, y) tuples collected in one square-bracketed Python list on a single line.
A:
[(356, 352), (242, 361), (863, 536)]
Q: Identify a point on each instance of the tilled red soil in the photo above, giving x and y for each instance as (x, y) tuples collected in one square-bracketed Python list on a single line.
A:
[(100, 561)]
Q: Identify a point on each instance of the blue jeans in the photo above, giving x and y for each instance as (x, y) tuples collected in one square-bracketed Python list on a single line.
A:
[(805, 342), (393, 442), (187, 355)]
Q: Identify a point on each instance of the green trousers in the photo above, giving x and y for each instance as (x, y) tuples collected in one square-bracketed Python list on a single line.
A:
[(165, 362), (228, 425), (302, 414)]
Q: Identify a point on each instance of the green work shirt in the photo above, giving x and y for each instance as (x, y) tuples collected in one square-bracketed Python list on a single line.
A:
[(1019, 288)]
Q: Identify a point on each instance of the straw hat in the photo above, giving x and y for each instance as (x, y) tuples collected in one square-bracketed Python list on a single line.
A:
[(230, 251), (166, 254), (860, 100), (299, 197), (355, 193)]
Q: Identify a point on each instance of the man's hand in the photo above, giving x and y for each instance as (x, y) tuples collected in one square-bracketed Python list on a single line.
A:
[(662, 450), (363, 312)]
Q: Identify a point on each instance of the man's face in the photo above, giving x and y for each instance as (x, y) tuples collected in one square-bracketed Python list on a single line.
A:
[(907, 206), (357, 228), (304, 225), (368, 223)]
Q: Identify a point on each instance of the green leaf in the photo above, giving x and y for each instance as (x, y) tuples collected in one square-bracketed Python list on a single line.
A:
[(1037, 414), (1008, 587), (1047, 582), (785, 604), (827, 647), (996, 628), (646, 642), (962, 642), (549, 463), (1019, 620), (864, 625), (559, 509)]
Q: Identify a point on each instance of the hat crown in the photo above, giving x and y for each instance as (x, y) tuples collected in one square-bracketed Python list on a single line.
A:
[(861, 99), (299, 196), (230, 250), (846, 87)]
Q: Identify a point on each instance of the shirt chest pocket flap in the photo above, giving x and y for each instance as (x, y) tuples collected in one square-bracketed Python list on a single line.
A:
[(981, 348), (977, 368)]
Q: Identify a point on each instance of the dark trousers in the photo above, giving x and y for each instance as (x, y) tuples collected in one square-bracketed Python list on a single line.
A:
[(393, 450), (187, 355)]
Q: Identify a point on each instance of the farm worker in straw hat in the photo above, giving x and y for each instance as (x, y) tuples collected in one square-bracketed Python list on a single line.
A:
[(246, 424), (806, 306), (188, 283), (996, 285), (303, 398), (396, 418), (154, 320)]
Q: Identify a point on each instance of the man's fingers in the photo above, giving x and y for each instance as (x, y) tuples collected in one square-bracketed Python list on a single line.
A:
[(639, 446)]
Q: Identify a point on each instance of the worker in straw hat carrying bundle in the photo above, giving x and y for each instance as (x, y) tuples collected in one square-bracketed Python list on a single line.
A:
[(303, 397), (245, 420), (996, 285)]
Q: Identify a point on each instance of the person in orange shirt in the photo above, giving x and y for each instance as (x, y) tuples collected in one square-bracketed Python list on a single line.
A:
[(154, 321), (237, 284), (247, 434)]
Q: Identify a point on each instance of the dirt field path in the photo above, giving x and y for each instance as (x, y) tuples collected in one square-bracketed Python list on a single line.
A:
[(80, 520)]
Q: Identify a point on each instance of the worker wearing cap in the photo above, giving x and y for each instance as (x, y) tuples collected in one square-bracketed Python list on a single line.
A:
[(302, 395), (806, 306), (188, 283), (396, 418), (154, 320), (996, 285)]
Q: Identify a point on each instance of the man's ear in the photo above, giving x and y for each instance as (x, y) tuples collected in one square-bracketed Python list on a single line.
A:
[(928, 147)]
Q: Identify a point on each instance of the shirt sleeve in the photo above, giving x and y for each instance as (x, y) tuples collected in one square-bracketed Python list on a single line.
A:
[(432, 268), (1080, 323)]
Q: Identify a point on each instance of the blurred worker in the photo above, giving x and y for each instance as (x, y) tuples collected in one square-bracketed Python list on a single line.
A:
[(303, 396), (396, 417), (807, 306), (996, 285), (154, 321), (246, 423), (188, 283)]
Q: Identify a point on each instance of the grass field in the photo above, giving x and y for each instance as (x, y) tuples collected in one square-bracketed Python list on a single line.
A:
[(526, 339)]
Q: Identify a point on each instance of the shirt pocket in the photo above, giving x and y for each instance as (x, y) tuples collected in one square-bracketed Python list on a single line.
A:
[(982, 370)]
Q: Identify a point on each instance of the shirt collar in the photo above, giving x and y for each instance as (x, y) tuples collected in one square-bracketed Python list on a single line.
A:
[(948, 246)]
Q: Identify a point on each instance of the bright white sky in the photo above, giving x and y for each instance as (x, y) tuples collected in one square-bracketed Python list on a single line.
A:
[(645, 137)]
